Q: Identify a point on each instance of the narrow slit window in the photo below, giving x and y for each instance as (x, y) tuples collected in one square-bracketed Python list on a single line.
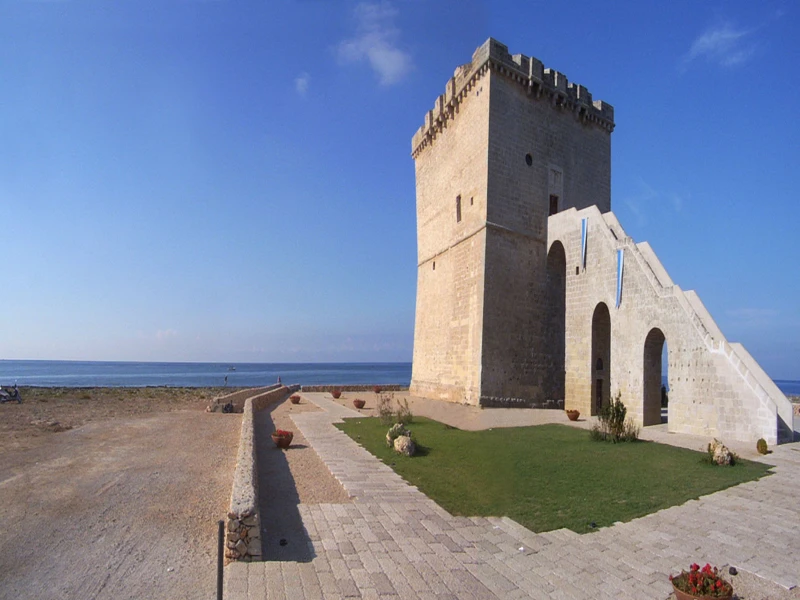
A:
[(458, 209), (553, 204)]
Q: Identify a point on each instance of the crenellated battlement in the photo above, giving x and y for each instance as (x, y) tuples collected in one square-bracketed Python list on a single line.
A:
[(541, 83)]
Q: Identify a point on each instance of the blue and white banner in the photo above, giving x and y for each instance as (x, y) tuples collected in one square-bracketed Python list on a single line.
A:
[(584, 228), (620, 261)]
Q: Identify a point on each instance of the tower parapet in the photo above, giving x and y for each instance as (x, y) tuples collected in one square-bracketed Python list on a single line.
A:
[(529, 72)]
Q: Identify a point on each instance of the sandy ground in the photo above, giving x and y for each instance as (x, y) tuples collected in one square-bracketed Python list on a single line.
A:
[(48, 410), (123, 504)]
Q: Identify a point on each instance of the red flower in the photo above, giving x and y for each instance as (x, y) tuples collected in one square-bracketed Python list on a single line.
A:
[(702, 582)]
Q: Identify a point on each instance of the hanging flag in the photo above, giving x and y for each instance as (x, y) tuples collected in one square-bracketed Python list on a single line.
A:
[(620, 260), (584, 227)]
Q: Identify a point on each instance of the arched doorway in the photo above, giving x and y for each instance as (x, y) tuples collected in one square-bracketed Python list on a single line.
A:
[(556, 321), (654, 345), (601, 357)]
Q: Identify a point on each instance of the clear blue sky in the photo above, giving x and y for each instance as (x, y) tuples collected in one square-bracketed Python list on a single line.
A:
[(232, 181)]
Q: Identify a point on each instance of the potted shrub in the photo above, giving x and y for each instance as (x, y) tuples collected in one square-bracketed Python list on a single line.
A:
[(336, 393), (282, 438), (573, 414), (358, 403), (295, 399), (699, 584)]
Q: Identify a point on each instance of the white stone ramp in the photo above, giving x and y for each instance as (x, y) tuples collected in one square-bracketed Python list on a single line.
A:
[(717, 389), (394, 542)]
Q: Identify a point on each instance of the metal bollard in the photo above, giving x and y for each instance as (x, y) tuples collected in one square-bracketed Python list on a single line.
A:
[(220, 554)]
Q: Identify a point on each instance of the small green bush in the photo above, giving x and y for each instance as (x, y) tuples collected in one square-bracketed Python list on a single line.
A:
[(404, 415), (613, 425), (761, 446), (385, 410)]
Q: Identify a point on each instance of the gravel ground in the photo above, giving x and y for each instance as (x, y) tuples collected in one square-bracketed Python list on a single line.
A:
[(117, 507)]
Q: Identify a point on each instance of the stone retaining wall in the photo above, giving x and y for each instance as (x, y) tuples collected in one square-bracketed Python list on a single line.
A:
[(238, 398), (354, 388), (243, 530)]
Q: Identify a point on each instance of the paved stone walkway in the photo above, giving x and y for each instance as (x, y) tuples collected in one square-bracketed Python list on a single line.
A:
[(393, 542)]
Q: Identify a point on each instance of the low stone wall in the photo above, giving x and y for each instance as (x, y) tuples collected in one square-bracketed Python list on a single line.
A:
[(238, 398), (499, 402), (354, 388), (243, 530)]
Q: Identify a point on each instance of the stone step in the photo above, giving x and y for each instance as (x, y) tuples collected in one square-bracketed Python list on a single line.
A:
[(524, 537), (560, 536)]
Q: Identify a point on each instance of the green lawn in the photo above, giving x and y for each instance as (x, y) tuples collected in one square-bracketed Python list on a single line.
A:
[(550, 476)]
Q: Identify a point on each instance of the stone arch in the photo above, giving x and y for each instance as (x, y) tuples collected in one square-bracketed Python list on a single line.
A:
[(556, 321), (601, 357), (651, 377)]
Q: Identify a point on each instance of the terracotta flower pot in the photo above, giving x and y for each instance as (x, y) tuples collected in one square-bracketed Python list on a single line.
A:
[(295, 399), (680, 595), (358, 403), (283, 441), (573, 415), (336, 394)]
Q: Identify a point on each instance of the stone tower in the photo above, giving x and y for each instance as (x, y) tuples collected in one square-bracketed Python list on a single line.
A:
[(508, 144), (530, 292)]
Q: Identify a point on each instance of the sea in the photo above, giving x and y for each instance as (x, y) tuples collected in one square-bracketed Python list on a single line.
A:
[(67, 373), (62, 373)]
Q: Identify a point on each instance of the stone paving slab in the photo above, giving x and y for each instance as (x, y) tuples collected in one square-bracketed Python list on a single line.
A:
[(394, 542)]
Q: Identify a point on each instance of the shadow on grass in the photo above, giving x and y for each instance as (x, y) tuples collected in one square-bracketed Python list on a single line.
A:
[(283, 535)]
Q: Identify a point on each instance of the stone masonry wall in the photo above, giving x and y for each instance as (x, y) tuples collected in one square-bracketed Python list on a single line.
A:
[(571, 161), (451, 216), (716, 388), (505, 136), (243, 529)]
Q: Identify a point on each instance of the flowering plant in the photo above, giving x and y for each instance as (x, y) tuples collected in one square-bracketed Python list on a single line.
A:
[(282, 433), (704, 582)]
